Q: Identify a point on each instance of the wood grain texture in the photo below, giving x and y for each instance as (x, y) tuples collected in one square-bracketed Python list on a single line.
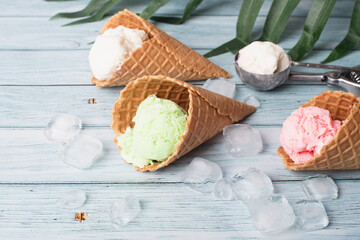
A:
[(37, 33), (169, 211), (33, 106), (209, 7), (35, 51), (27, 157), (71, 67)]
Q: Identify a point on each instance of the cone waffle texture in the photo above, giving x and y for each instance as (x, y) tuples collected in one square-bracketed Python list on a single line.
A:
[(160, 55), (343, 151), (208, 112)]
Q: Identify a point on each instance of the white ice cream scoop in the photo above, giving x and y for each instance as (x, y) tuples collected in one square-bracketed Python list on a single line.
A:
[(345, 77), (112, 48)]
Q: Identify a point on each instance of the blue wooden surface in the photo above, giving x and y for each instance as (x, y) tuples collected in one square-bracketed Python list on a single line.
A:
[(44, 70)]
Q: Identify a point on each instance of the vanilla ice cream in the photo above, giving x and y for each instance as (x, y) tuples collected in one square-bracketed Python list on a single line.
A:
[(263, 58), (112, 48)]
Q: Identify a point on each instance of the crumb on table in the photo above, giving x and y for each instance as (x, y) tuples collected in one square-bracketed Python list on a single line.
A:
[(81, 216)]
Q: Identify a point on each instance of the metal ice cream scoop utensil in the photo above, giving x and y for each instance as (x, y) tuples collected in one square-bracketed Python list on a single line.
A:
[(348, 78)]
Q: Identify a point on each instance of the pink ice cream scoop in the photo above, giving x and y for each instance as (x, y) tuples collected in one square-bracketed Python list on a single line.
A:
[(306, 131)]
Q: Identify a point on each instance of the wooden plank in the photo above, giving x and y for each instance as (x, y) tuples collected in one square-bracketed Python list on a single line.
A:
[(32, 178), (71, 67), (33, 106), (209, 7), (37, 33), (168, 212), (27, 157)]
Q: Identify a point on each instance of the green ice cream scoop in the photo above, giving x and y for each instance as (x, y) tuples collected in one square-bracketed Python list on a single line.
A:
[(159, 123)]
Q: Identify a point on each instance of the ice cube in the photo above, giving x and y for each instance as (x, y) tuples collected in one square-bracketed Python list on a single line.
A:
[(82, 151), (251, 100), (223, 189), (242, 139), (73, 199), (221, 86), (271, 214), (310, 215), (201, 174), (62, 127), (124, 210), (320, 187), (251, 184)]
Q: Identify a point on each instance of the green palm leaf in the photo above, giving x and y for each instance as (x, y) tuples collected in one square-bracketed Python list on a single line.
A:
[(88, 10), (190, 8), (314, 24), (352, 38), (275, 23), (277, 19), (152, 8), (246, 20), (98, 15)]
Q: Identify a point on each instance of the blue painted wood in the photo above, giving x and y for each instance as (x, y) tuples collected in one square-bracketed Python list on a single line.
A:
[(209, 7), (33, 106), (27, 157), (35, 51), (71, 67), (169, 211), (37, 33)]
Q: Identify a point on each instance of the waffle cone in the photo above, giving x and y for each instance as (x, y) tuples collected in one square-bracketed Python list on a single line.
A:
[(343, 151), (208, 112), (160, 55)]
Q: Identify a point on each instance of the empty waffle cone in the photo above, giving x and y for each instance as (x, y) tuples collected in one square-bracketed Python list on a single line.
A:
[(343, 151), (208, 112), (160, 55)]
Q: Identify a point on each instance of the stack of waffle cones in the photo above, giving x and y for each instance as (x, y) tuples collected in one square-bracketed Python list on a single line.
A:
[(343, 151), (160, 55), (208, 112)]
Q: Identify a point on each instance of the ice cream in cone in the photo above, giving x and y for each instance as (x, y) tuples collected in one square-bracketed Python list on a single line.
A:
[(342, 151), (131, 47), (207, 112)]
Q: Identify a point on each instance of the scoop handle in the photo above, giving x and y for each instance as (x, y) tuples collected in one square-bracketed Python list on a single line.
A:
[(323, 66), (307, 76)]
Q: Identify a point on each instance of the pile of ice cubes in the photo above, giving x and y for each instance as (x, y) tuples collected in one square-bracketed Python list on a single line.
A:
[(270, 212), (79, 150)]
